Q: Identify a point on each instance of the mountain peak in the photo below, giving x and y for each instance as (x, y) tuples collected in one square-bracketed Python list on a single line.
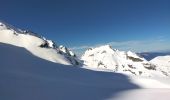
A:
[(103, 48), (106, 46), (106, 58)]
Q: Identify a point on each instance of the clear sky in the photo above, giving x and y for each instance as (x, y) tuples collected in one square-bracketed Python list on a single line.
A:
[(137, 25)]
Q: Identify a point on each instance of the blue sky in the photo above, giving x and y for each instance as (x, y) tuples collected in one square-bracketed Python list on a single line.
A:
[(137, 25)]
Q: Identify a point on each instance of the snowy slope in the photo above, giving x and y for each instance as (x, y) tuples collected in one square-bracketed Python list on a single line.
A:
[(37, 45), (27, 77), (164, 64), (107, 58)]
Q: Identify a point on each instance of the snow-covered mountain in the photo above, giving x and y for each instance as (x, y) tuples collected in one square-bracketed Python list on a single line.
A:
[(107, 58), (37, 45), (27, 71)]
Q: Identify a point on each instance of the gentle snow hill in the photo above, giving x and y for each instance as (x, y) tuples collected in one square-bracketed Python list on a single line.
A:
[(37, 45), (106, 58)]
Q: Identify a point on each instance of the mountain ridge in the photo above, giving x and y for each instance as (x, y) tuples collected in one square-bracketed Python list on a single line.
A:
[(104, 57), (34, 43)]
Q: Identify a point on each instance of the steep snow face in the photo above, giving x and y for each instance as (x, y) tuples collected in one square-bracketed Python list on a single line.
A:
[(106, 58), (163, 63), (37, 45)]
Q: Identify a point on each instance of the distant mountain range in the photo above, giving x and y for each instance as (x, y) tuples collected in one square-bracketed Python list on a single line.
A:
[(151, 55)]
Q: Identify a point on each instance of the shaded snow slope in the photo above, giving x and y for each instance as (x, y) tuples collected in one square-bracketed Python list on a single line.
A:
[(107, 58), (37, 45), (26, 77)]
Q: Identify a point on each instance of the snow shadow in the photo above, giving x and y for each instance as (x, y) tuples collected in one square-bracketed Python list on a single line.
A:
[(24, 76)]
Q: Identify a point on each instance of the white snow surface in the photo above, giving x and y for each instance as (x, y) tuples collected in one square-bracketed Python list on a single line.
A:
[(162, 60)]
